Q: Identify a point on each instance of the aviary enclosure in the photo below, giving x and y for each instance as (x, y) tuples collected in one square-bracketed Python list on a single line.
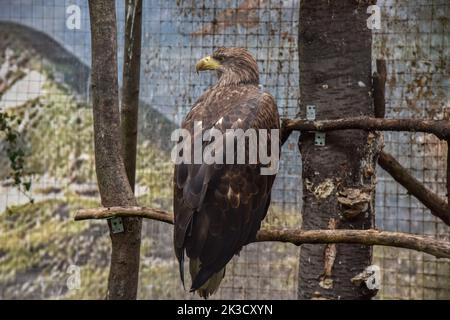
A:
[(363, 90)]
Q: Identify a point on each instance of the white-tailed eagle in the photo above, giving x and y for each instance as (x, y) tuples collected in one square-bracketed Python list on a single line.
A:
[(219, 207)]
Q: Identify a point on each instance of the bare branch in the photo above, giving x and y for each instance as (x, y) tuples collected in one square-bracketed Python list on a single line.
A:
[(143, 212), (379, 88), (448, 173), (440, 128), (130, 91), (437, 248), (432, 201)]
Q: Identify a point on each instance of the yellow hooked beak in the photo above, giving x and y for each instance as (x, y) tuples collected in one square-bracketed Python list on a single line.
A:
[(207, 63)]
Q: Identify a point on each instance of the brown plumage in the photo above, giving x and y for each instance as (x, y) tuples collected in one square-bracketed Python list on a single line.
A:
[(219, 208)]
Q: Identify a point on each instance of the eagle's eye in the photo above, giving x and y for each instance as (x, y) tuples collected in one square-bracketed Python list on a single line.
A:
[(219, 58)]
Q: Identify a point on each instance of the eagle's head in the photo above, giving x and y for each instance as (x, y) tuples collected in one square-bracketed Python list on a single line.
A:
[(234, 66)]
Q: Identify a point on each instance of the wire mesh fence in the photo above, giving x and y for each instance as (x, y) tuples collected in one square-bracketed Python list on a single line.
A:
[(44, 78), (414, 41)]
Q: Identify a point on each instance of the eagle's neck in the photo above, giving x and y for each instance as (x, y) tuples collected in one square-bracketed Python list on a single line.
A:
[(241, 76)]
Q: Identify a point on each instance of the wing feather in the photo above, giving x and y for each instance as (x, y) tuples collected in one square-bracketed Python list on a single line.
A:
[(219, 208)]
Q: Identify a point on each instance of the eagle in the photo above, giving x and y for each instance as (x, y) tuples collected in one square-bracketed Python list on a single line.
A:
[(218, 208)]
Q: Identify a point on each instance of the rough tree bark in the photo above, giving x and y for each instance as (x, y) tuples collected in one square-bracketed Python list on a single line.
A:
[(338, 178), (112, 180), (129, 124), (379, 89), (130, 87)]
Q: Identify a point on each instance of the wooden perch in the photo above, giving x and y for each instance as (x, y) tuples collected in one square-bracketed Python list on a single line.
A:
[(432, 201), (440, 128), (143, 212), (437, 248)]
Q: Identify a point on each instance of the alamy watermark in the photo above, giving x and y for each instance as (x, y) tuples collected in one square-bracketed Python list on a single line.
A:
[(374, 21), (74, 280), (373, 280), (73, 20), (234, 146)]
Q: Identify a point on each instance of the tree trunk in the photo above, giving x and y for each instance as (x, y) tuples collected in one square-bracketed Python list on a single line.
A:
[(339, 177), (130, 86), (112, 180), (129, 120)]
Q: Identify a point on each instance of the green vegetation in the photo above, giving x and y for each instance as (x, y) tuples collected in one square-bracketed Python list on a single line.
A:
[(40, 241)]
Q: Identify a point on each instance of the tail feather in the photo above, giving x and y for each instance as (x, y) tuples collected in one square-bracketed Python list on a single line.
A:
[(181, 268), (202, 287)]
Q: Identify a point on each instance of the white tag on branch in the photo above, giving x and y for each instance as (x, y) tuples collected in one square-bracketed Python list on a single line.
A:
[(371, 276)]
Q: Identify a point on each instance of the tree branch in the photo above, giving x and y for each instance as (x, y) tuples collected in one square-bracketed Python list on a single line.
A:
[(448, 174), (130, 90), (379, 88), (440, 128), (432, 201), (143, 212), (437, 248)]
